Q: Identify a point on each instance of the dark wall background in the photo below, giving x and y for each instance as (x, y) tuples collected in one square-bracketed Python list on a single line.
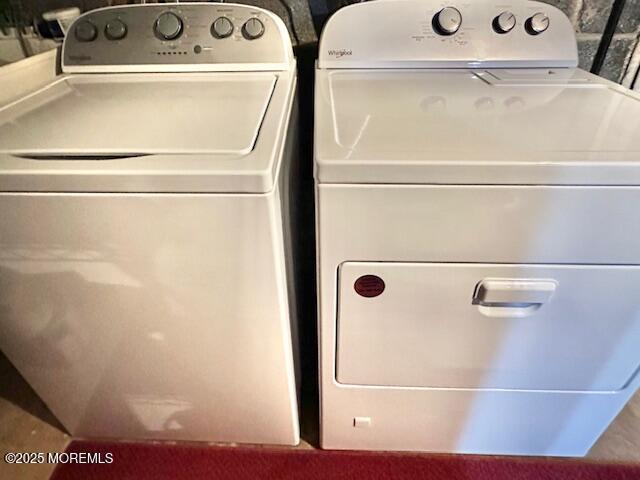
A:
[(590, 19)]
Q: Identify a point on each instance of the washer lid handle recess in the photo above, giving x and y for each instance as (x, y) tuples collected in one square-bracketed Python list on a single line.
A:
[(432, 34), (177, 37)]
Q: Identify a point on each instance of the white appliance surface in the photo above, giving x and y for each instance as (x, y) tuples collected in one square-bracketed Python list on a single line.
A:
[(410, 35), (477, 221), (476, 126), (85, 115), (191, 123), (522, 341), (162, 132), (144, 243), (42, 68)]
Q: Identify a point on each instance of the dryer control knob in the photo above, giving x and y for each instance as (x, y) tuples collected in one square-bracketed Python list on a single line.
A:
[(115, 30), (252, 29), (222, 27), (504, 22), (168, 26), (85, 31), (537, 24), (447, 21)]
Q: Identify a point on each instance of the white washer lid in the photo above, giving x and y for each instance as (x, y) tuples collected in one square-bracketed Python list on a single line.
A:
[(519, 126), (107, 115)]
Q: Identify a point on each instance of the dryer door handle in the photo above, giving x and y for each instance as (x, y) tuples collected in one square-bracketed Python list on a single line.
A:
[(512, 297)]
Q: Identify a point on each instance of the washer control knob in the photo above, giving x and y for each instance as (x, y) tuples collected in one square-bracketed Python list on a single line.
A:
[(115, 30), (537, 24), (85, 31), (504, 22), (252, 29), (168, 26), (447, 21), (221, 27)]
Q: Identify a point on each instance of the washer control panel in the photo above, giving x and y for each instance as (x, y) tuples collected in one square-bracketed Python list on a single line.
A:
[(448, 34), (177, 37)]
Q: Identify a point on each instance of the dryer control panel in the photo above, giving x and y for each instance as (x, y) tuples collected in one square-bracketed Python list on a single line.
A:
[(177, 37), (448, 34)]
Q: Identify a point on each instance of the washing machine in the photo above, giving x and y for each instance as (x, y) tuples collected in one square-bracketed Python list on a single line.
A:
[(145, 231), (477, 229)]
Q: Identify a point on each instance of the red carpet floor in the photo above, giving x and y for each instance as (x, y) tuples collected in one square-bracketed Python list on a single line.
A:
[(160, 461)]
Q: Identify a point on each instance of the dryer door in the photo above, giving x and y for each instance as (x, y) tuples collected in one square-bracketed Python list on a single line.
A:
[(492, 326)]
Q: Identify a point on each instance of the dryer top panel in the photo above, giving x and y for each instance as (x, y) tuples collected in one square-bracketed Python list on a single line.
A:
[(433, 34), (513, 126), (176, 38)]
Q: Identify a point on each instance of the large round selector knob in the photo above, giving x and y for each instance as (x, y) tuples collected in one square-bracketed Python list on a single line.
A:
[(115, 30), (447, 21), (504, 22), (252, 29), (222, 27), (168, 26), (537, 24), (85, 31)]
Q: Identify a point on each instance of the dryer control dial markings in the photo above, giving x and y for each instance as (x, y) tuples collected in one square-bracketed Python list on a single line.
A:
[(504, 23), (168, 26), (537, 24), (447, 21)]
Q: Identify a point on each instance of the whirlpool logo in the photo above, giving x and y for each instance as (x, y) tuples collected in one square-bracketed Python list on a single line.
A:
[(79, 58), (343, 52)]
